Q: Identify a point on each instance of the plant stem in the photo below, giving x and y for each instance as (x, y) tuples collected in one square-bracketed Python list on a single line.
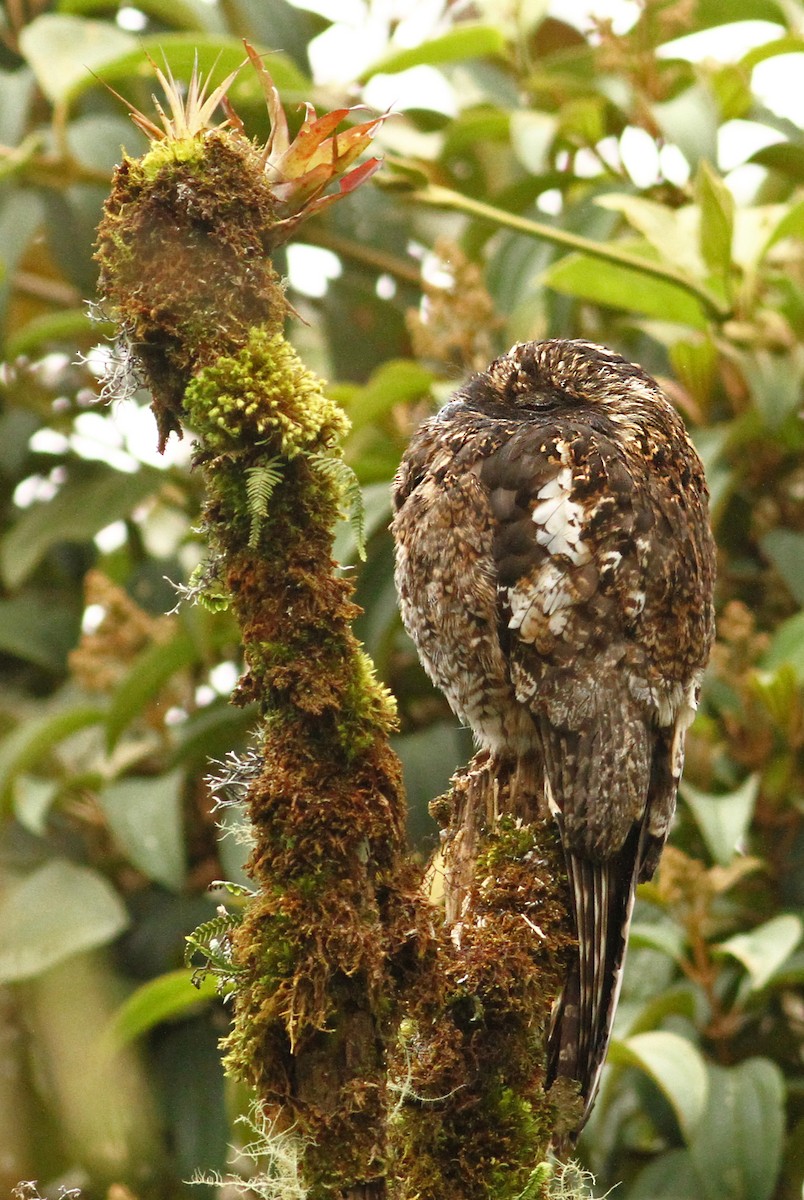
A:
[(436, 196)]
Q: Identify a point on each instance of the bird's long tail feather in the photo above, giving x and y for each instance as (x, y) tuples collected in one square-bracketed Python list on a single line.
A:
[(603, 899)]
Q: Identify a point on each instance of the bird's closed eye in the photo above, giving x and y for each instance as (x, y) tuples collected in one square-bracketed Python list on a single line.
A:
[(547, 401)]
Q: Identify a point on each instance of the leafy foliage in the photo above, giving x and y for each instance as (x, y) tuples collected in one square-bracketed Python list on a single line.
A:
[(539, 180)]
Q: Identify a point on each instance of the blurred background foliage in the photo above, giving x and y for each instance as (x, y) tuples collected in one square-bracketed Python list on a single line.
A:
[(114, 700)]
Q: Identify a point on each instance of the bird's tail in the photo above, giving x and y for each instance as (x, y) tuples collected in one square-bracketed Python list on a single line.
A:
[(603, 899)]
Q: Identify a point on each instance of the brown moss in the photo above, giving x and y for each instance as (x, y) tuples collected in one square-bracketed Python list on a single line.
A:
[(183, 260), (475, 1118)]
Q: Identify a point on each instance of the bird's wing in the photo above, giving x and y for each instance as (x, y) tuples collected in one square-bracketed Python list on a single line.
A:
[(570, 528)]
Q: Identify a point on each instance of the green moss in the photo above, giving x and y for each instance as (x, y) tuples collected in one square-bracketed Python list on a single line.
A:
[(264, 394), (168, 152), (367, 706), (511, 841)]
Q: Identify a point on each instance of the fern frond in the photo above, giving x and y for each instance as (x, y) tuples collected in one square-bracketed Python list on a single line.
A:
[(213, 941), (347, 483), (260, 483)]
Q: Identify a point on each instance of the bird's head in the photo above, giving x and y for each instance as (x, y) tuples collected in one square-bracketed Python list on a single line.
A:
[(538, 377)]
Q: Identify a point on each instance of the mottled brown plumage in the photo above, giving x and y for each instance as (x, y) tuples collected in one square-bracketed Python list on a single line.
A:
[(555, 569)]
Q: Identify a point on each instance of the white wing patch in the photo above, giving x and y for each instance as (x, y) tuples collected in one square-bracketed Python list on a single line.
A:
[(559, 519), (550, 598), (540, 606)]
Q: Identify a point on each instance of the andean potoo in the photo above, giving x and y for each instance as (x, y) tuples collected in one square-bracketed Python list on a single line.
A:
[(555, 567)]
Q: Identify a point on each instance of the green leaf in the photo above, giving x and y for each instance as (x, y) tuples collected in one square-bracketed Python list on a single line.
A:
[(792, 223), (180, 14), (785, 157), (38, 629), (787, 647), (732, 89), (620, 287), (31, 740), (94, 498), (146, 677), (398, 381), (789, 44), (165, 998), (21, 213), (62, 50), (714, 12), (194, 1100), (722, 820), (16, 93), (341, 475), (467, 40), (753, 227), (785, 549), (673, 233), (212, 941), (669, 1176), (376, 501), (472, 128), (777, 691), (260, 483), (678, 1000), (210, 733), (68, 326), (737, 1145), (668, 939), (216, 56), (717, 219), (33, 799), (775, 383), (676, 1067), (145, 816), (691, 121), (95, 140), (279, 23), (532, 135), (764, 949), (54, 912), (695, 362)]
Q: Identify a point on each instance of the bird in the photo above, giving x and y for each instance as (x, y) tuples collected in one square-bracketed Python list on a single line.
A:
[(555, 565)]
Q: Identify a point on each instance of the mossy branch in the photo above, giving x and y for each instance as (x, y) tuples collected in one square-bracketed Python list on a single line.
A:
[(321, 956)]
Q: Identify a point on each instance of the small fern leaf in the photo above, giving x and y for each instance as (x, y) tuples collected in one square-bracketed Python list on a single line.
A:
[(347, 483), (260, 483), (213, 942)]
